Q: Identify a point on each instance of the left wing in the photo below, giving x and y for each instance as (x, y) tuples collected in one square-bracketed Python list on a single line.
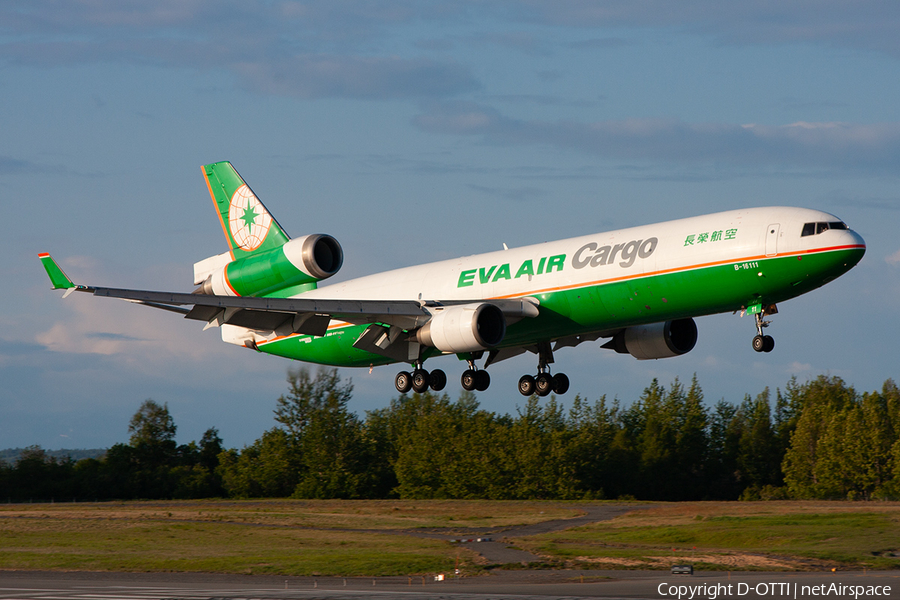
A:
[(309, 316)]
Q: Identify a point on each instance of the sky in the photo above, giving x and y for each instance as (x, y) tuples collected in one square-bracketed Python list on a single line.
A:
[(415, 132)]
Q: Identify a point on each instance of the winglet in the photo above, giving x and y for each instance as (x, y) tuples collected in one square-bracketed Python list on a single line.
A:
[(59, 279)]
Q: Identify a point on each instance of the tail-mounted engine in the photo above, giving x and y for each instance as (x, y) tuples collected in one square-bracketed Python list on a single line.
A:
[(464, 328), (658, 340), (289, 269)]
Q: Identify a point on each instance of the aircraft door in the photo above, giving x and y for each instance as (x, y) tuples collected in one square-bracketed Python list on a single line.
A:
[(772, 233)]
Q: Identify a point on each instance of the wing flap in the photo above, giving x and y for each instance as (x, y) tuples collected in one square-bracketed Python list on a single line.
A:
[(387, 341)]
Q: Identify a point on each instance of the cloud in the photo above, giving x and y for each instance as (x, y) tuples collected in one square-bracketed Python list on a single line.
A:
[(870, 25), (302, 49), (865, 146), (893, 259), (20, 353), (320, 76), (797, 367), (16, 166), (329, 48), (142, 337)]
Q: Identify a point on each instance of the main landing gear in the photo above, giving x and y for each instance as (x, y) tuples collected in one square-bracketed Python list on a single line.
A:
[(477, 379), (474, 378), (762, 343), (544, 382), (420, 380)]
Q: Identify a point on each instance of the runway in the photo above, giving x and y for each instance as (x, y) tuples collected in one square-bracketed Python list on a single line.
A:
[(509, 585)]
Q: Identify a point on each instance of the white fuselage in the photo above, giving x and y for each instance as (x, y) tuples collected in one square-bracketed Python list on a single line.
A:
[(694, 242)]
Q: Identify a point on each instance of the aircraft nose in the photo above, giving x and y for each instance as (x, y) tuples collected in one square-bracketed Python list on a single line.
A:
[(853, 242), (854, 239)]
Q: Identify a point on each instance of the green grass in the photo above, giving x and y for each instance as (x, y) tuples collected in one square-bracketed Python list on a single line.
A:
[(350, 538), (218, 548), (330, 514), (851, 539), (285, 537)]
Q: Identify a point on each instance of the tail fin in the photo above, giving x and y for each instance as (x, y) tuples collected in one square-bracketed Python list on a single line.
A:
[(248, 226)]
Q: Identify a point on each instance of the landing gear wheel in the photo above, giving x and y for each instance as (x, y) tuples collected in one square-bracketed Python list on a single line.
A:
[(764, 343), (438, 380), (759, 343), (526, 385), (482, 380), (403, 382), (420, 380), (543, 384), (560, 383), (468, 379)]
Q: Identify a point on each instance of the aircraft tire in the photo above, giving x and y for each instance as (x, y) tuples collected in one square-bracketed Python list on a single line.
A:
[(759, 343), (482, 380), (543, 384), (560, 383), (468, 380), (768, 343), (526, 385), (420, 380), (403, 381), (438, 380)]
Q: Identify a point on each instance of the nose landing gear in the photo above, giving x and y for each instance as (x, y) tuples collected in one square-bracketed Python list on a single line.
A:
[(763, 343)]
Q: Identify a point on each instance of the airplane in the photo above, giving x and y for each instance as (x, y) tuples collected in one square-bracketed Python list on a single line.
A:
[(640, 288)]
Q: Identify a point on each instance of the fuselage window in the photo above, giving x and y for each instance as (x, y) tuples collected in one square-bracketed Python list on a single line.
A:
[(808, 229)]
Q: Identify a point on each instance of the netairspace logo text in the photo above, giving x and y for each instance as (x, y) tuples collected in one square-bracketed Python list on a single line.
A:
[(790, 590)]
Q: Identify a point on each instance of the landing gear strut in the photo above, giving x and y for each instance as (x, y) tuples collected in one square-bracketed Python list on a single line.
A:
[(762, 343), (420, 380), (544, 382)]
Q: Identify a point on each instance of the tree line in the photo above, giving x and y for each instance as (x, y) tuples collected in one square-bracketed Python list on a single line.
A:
[(819, 439)]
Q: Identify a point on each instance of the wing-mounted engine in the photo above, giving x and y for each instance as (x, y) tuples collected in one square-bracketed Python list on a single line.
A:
[(464, 328), (289, 269), (657, 340)]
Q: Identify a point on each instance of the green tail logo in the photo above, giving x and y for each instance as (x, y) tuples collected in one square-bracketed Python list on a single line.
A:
[(248, 226)]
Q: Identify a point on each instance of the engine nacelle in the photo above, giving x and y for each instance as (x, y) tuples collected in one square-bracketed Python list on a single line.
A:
[(299, 262), (464, 328), (657, 340)]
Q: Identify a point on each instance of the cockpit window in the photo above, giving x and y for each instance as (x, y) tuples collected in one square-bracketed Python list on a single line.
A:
[(819, 227)]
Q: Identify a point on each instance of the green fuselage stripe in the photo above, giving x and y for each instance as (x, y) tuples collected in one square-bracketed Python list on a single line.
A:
[(691, 291)]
